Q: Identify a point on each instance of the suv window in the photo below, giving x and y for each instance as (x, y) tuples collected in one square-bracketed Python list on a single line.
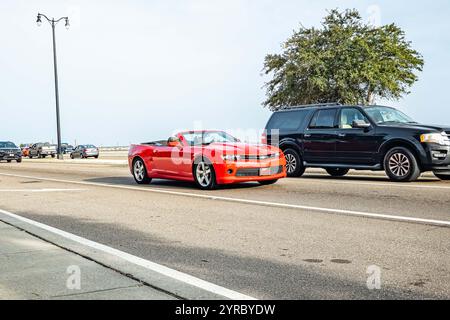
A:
[(290, 120), (323, 119), (348, 115)]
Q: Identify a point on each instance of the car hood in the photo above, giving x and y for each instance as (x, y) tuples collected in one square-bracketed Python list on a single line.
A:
[(243, 148), (420, 127)]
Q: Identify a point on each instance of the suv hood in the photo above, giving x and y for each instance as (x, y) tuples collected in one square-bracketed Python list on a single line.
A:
[(419, 126)]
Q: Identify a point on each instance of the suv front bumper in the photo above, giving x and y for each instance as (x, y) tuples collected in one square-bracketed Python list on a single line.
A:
[(438, 158), (10, 156)]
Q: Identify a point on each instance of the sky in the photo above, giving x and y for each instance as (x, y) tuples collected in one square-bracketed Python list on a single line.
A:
[(138, 70)]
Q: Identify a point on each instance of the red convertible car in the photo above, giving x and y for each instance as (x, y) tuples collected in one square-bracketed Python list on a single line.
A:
[(208, 158)]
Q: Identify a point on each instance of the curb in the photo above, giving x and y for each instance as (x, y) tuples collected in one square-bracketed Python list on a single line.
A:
[(151, 278)]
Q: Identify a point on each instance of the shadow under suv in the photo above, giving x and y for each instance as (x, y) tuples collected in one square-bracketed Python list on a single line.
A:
[(339, 138)]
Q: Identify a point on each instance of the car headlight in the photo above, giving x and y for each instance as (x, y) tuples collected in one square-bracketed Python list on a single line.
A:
[(231, 157), (438, 138)]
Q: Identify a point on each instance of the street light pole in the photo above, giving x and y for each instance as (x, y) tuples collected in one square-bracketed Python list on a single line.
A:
[(53, 23)]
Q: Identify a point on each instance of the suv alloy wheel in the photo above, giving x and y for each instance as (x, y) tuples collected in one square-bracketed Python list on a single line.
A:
[(401, 165), (294, 164)]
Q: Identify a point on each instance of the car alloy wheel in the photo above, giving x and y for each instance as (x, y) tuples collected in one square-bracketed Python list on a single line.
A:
[(399, 164), (139, 170), (204, 174), (291, 163)]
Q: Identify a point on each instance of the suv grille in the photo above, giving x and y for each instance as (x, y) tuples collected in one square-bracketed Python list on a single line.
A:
[(254, 172)]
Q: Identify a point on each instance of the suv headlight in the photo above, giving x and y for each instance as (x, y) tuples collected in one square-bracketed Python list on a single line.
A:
[(438, 138), (231, 157)]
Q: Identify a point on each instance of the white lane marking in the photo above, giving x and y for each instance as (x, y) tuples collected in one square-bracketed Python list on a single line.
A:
[(171, 273), (40, 190), (381, 216)]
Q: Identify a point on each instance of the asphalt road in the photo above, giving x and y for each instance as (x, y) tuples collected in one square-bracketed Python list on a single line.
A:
[(299, 239)]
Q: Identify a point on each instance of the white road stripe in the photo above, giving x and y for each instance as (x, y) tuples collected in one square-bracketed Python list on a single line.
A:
[(171, 273), (40, 190), (382, 216)]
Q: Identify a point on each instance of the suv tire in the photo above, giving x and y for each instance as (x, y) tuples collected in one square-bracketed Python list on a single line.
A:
[(442, 176), (337, 172), (401, 165), (294, 164)]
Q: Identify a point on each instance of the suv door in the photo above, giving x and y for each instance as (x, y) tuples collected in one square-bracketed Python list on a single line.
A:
[(320, 137), (355, 145)]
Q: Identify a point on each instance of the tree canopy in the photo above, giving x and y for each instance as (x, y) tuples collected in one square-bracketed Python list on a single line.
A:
[(345, 61)]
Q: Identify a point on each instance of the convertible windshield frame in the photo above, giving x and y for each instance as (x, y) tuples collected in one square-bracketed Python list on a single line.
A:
[(202, 138)]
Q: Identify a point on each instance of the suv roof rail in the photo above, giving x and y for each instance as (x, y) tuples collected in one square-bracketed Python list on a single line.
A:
[(328, 104)]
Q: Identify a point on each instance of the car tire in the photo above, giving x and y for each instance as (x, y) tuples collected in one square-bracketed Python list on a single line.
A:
[(140, 172), (19, 160), (267, 182), (71, 156), (442, 176), (96, 157), (204, 174), (337, 172), (53, 155), (294, 164), (401, 165), (9, 161)]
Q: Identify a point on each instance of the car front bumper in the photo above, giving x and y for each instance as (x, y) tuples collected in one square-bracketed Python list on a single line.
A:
[(244, 171)]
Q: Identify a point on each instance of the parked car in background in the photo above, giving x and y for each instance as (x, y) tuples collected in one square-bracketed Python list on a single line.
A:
[(85, 151), (339, 138), (66, 148), (208, 158), (9, 151), (42, 150)]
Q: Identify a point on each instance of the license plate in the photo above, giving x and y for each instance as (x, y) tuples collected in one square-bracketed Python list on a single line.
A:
[(265, 172)]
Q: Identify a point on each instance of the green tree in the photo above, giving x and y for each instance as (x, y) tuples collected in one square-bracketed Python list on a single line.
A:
[(346, 61)]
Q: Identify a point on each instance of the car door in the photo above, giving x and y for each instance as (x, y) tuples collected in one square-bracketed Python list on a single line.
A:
[(77, 152), (166, 160), (320, 137), (355, 145)]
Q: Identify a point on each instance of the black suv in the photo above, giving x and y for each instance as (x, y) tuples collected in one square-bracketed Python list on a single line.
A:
[(339, 138), (9, 151)]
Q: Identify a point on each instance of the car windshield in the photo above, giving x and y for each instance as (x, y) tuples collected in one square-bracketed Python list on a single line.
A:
[(208, 137), (89, 146), (7, 145), (382, 115)]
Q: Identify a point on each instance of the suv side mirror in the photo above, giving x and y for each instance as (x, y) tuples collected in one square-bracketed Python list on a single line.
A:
[(360, 124)]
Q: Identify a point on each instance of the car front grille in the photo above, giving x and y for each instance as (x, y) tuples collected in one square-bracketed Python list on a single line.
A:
[(8, 151), (259, 157), (254, 172)]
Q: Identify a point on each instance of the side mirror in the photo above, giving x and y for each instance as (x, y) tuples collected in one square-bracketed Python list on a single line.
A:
[(360, 124), (173, 142)]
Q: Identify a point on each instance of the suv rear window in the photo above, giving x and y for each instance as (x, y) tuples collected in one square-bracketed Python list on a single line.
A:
[(323, 119), (290, 120)]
